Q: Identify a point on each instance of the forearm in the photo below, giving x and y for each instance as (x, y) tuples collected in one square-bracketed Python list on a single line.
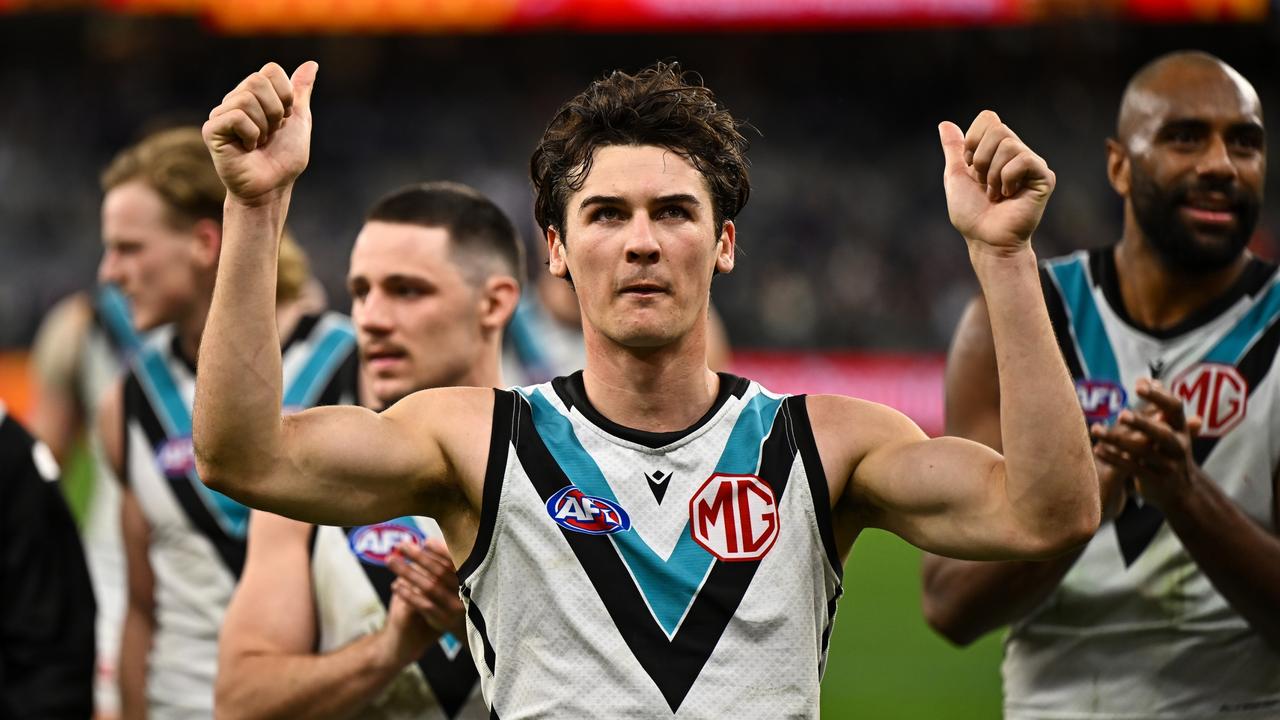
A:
[(1241, 558), (257, 686), (964, 600), (1050, 477), (135, 646), (237, 409)]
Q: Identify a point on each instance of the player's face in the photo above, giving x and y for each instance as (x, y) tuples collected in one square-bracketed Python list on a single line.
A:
[(155, 265), (641, 246), (417, 317), (1197, 166)]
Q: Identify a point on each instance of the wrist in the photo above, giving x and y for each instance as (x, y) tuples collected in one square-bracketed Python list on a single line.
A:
[(985, 255), (274, 198), (1181, 500)]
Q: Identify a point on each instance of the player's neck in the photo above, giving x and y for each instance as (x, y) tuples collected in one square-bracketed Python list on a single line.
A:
[(1157, 297), (652, 389)]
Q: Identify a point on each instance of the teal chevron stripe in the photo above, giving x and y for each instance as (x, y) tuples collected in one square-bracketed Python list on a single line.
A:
[(1091, 335), (669, 586)]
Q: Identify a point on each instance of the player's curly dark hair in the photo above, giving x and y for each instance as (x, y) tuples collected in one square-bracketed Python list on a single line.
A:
[(660, 105)]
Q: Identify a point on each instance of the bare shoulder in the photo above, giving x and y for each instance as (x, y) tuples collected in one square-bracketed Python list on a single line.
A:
[(460, 419), (847, 429)]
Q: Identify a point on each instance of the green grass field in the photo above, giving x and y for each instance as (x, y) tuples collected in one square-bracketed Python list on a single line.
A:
[(885, 663)]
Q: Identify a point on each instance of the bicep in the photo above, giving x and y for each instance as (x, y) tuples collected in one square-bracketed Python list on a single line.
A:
[(972, 379), (273, 609), (349, 465)]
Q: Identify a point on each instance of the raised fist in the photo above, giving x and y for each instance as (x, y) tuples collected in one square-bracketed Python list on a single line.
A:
[(996, 187), (260, 136)]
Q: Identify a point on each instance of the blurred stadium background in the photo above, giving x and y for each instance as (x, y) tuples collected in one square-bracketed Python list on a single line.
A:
[(849, 278)]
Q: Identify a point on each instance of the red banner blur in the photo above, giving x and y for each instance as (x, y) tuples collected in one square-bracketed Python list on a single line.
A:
[(911, 383), (242, 16)]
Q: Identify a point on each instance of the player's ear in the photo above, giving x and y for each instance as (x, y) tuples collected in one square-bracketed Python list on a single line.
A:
[(725, 247), (1118, 167), (555, 253), (498, 301), (208, 235)]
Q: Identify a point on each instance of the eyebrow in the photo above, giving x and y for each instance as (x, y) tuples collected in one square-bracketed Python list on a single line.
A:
[(684, 198)]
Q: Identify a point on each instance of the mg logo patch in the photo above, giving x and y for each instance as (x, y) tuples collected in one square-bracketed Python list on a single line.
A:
[(734, 517), (587, 514), (176, 457), (1101, 400), (374, 544), (1217, 393)]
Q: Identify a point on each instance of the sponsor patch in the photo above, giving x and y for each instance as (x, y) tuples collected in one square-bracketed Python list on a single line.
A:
[(734, 517), (374, 544), (587, 514), (176, 457), (1101, 400), (1218, 393)]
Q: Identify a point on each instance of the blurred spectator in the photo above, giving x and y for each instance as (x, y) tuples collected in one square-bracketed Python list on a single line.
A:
[(46, 614)]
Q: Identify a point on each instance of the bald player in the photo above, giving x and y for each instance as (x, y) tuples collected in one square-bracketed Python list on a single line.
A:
[(1172, 335), (589, 592)]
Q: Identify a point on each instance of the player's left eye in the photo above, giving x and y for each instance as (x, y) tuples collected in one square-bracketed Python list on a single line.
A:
[(673, 211)]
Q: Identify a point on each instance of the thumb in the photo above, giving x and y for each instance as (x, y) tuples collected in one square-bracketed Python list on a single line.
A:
[(952, 145), (303, 80)]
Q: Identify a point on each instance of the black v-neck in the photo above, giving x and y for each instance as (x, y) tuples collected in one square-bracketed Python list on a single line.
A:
[(573, 393), (1102, 266)]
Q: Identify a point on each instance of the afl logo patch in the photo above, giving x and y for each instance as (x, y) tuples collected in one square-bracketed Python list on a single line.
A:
[(573, 510), (734, 517), (176, 457), (374, 544), (1216, 392), (1101, 400)]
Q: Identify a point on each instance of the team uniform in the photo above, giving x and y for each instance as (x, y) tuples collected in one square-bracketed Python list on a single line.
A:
[(197, 546), (46, 629), (352, 588), (627, 574), (1136, 630)]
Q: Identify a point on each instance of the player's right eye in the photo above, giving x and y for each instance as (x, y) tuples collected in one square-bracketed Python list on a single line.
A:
[(606, 214)]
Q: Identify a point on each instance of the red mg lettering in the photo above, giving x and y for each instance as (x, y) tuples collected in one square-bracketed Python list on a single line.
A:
[(734, 517), (1217, 393)]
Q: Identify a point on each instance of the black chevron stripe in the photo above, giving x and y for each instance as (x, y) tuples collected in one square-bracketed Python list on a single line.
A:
[(137, 407), (673, 664)]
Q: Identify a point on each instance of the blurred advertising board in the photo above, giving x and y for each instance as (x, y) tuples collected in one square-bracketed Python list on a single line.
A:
[(242, 16), (909, 382)]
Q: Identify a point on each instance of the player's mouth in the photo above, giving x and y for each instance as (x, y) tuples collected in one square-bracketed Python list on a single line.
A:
[(1212, 211), (644, 288), (383, 358)]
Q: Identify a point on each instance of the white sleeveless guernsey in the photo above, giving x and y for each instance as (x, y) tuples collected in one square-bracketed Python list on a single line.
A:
[(624, 574), (352, 588), (1136, 630), (197, 534)]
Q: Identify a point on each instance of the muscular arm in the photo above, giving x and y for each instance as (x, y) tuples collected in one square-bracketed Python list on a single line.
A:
[(964, 600), (954, 496), (266, 662), (334, 465)]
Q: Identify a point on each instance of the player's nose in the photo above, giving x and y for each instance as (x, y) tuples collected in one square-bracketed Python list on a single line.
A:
[(642, 243), (109, 270)]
